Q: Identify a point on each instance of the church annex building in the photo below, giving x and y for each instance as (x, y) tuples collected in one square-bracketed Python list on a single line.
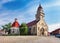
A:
[(37, 27)]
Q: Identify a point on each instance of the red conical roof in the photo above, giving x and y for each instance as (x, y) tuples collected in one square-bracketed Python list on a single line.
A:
[(15, 23)]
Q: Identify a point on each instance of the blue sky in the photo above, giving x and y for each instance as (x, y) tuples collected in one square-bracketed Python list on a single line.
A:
[(25, 10)]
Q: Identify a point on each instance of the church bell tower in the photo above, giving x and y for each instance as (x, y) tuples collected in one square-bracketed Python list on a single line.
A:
[(42, 28), (40, 13)]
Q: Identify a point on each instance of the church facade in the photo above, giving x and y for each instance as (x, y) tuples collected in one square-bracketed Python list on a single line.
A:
[(37, 27)]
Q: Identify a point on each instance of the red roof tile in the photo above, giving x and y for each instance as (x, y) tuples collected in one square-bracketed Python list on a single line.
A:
[(56, 30), (15, 23), (31, 23)]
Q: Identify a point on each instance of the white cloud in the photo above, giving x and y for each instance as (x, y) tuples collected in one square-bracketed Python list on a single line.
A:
[(53, 27), (2, 22), (4, 14), (52, 4)]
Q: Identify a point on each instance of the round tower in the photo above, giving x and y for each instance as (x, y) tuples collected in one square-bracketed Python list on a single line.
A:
[(15, 27)]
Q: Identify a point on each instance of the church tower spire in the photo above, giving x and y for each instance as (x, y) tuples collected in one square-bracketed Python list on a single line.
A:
[(40, 13), (42, 28)]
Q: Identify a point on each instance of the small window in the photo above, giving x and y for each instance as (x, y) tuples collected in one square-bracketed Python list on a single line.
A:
[(29, 28), (33, 29), (13, 31)]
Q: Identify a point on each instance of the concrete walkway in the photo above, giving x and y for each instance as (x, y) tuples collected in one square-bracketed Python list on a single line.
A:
[(28, 39)]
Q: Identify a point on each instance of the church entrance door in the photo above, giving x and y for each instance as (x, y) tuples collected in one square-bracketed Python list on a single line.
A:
[(42, 31)]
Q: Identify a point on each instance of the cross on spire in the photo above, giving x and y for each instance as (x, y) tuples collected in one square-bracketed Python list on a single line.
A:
[(40, 6)]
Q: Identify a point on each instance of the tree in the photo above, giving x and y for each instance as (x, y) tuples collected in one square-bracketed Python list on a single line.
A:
[(7, 27), (23, 29)]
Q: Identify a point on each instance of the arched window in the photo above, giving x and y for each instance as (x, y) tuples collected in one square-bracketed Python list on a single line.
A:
[(29, 30), (42, 29), (33, 29)]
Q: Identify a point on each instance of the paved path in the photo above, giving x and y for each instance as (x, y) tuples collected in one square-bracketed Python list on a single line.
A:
[(28, 39)]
